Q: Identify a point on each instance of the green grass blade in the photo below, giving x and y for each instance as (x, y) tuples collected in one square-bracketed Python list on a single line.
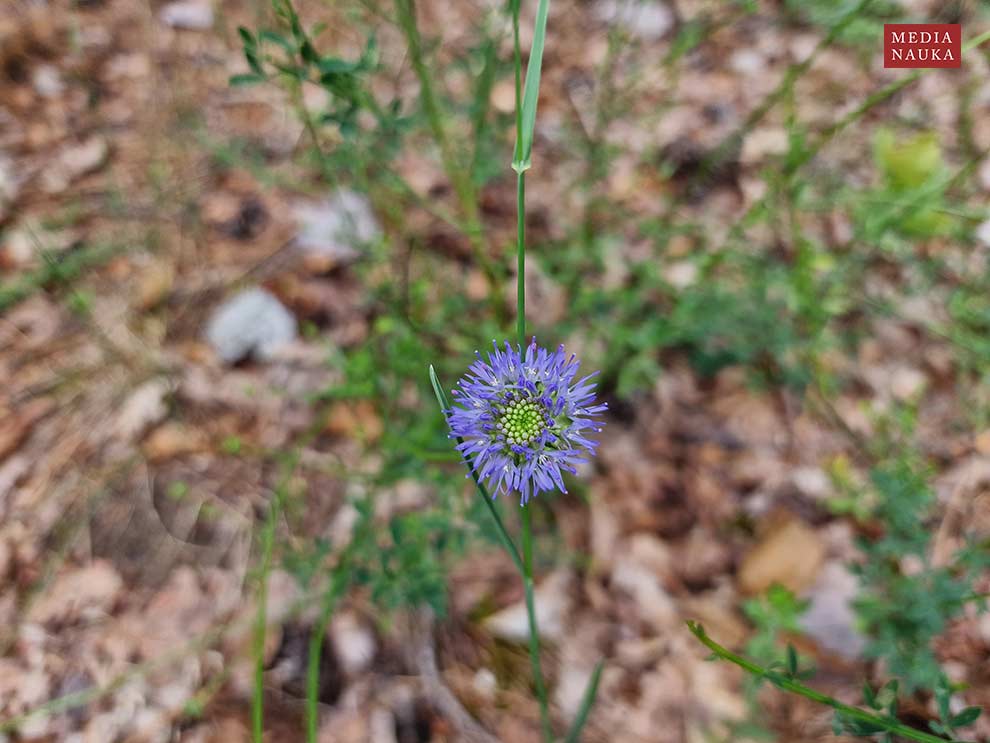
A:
[(587, 701), (438, 391), (503, 534), (531, 92)]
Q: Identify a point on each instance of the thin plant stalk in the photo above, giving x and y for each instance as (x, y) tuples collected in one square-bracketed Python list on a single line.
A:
[(261, 619), (534, 630), (523, 562), (526, 102), (520, 164), (336, 588)]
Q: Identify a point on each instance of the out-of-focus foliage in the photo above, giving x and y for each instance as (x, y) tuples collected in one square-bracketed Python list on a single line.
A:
[(906, 601)]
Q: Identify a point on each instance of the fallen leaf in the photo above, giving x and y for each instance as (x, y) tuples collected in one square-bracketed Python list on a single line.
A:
[(791, 555)]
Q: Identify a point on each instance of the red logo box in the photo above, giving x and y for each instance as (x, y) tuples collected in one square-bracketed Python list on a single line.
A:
[(914, 45)]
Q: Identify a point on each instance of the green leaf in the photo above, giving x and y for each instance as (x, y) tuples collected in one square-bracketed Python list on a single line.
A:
[(247, 38), (277, 38), (531, 91), (308, 53), (248, 79), (908, 163), (250, 50), (792, 660), (942, 696), (967, 717), (869, 696), (330, 65), (438, 390), (369, 57)]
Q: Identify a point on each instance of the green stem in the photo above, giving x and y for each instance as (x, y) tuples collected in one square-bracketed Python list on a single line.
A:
[(534, 632), (523, 563), (503, 534), (333, 592), (527, 525), (520, 184), (788, 684), (521, 258), (261, 619)]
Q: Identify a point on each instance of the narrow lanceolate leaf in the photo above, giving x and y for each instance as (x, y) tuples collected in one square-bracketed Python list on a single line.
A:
[(438, 390), (531, 92), (590, 692), (507, 542), (792, 660)]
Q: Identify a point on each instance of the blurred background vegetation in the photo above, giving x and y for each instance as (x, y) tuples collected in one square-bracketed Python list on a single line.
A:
[(234, 236)]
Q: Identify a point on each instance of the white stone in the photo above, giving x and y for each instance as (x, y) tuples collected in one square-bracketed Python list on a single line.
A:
[(906, 382), (381, 726), (47, 81), (764, 142), (748, 61), (812, 482), (190, 15), (252, 322), (9, 184), (830, 619), (145, 407), (983, 625), (644, 19), (982, 233), (74, 162), (336, 227), (486, 684), (353, 642), (681, 274), (984, 175), (341, 530), (655, 604), (552, 601)]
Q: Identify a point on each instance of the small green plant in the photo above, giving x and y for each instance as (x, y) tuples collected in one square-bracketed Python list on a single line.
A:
[(910, 199), (292, 56), (774, 616), (905, 601)]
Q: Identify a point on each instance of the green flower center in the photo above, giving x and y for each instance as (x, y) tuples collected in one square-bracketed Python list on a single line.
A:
[(521, 421)]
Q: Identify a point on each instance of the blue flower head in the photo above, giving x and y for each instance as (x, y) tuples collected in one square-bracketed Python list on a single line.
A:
[(523, 420)]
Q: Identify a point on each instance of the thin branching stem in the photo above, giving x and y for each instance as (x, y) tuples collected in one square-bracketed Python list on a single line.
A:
[(795, 687)]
